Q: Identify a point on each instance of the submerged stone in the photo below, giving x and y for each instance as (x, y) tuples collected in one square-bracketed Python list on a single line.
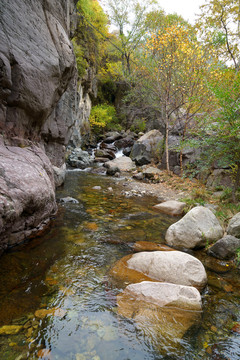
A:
[(162, 325), (10, 329)]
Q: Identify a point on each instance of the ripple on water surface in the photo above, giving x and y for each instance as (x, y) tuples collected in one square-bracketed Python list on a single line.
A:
[(57, 300)]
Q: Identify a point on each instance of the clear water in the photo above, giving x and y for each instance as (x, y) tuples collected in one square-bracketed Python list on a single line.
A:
[(67, 269)]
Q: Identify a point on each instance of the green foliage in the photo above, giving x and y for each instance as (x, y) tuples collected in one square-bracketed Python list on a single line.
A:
[(103, 117), (89, 39), (139, 125), (80, 59)]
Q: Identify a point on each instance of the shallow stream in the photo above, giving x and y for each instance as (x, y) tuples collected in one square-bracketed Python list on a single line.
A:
[(57, 294)]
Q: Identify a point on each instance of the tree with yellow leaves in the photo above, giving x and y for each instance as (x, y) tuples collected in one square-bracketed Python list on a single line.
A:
[(171, 78)]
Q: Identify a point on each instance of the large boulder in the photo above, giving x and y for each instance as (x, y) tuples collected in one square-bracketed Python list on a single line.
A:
[(197, 228), (79, 159), (225, 248), (148, 147), (174, 267), (163, 312), (27, 198), (170, 207), (123, 163), (234, 226), (163, 294)]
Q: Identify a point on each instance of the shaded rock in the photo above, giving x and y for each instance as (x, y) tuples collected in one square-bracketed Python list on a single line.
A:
[(79, 159), (151, 172), (112, 171), (111, 147), (126, 142), (234, 226), (27, 198), (100, 160), (145, 304), (59, 174), (166, 266), (171, 207), (127, 151), (197, 228), (140, 155), (105, 153), (68, 199), (112, 136), (123, 163), (225, 248), (163, 294), (138, 176), (148, 147), (219, 177), (150, 246), (217, 266), (37, 106)]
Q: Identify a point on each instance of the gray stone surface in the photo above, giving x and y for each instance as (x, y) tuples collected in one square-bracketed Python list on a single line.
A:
[(171, 207), (225, 248), (38, 107), (165, 294), (123, 163), (175, 267), (234, 226), (27, 198), (79, 159), (148, 147), (197, 228)]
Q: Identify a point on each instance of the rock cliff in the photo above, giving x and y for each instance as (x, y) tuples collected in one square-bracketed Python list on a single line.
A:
[(38, 109)]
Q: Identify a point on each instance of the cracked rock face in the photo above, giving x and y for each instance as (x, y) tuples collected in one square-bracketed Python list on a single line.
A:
[(37, 91)]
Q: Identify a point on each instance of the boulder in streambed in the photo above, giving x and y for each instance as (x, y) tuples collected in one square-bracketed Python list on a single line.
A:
[(123, 163), (171, 207), (79, 159), (148, 147), (174, 267), (163, 294), (197, 228), (164, 312), (225, 248), (234, 226)]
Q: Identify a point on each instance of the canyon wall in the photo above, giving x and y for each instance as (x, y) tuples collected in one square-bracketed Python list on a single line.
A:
[(38, 110)]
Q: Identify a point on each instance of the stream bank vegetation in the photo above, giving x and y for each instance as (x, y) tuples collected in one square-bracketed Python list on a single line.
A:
[(159, 71)]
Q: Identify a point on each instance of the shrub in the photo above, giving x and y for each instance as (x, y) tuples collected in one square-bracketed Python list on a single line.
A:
[(103, 117)]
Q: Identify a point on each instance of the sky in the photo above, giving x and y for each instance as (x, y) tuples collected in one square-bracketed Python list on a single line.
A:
[(186, 8)]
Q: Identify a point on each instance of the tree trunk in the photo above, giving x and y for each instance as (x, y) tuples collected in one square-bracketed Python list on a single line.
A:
[(166, 147), (181, 154)]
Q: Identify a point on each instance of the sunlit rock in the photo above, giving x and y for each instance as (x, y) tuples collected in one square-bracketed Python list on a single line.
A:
[(166, 266), (164, 312), (197, 228), (123, 163), (171, 207)]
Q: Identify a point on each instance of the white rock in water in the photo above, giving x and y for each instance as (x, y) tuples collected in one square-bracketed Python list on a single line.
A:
[(174, 267), (165, 294), (197, 228)]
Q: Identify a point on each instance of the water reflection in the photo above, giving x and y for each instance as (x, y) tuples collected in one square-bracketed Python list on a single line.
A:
[(57, 288)]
